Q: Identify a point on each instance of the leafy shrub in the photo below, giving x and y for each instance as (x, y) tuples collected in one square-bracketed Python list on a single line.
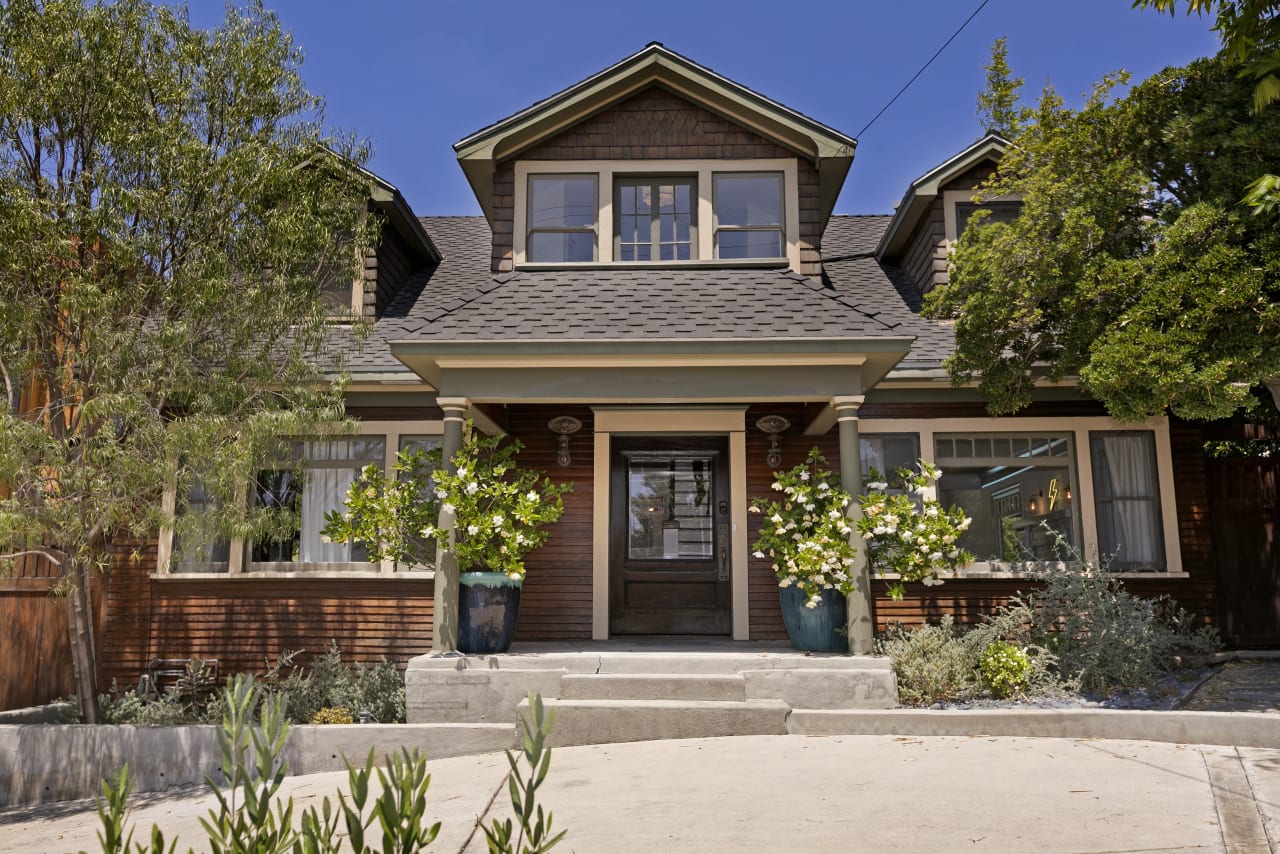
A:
[(1005, 669), (1104, 637), (934, 664), (332, 716)]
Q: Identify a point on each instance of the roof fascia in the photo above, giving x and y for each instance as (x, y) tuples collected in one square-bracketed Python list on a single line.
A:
[(923, 190)]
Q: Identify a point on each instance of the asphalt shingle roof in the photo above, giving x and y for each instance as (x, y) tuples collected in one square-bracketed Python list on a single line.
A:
[(461, 300)]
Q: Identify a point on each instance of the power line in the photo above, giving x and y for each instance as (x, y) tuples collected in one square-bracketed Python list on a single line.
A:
[(922, 68)]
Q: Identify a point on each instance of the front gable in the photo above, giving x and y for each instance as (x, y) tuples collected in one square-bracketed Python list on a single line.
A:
[(657, 106)]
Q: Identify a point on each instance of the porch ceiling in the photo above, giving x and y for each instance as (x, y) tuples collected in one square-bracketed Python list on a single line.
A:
[(651, 370)]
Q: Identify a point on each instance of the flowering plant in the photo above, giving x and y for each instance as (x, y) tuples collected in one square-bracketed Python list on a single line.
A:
[(498, 508), (914, 540), (807, 533)]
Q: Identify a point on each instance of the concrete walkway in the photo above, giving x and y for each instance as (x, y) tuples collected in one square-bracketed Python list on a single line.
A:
[(818, 794)]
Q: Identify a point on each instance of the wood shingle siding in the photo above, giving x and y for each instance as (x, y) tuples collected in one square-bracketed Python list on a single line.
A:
[(656, 124), (926, 258), (393, 263)]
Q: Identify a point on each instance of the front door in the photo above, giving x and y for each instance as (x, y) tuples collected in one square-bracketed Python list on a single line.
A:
[(669, 536)]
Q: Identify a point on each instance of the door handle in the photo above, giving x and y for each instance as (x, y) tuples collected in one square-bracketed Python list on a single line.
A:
[(723, 537)]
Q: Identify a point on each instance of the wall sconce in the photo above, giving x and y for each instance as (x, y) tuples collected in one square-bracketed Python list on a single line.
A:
[(773, 425), (1035, 505), (565, 426)]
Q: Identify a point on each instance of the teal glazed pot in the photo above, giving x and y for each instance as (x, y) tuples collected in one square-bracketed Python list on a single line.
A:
[(815, 629), (488, 606)]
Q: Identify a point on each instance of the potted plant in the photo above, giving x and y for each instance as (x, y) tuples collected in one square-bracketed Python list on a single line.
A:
[(499, 515), (807, 535)]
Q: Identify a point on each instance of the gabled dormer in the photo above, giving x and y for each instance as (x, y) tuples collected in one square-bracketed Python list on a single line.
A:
[(656, 160), (935, 210)]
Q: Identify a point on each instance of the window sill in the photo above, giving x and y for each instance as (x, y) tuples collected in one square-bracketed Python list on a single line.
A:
[(307, 574), (984, 572), (708, 264)]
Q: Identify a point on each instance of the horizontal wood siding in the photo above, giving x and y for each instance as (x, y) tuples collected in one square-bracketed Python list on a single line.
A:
[(656, 124), (247, 623), (925, 257), (555, 601)]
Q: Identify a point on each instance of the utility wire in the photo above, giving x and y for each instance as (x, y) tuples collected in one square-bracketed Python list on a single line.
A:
[(922, 68)]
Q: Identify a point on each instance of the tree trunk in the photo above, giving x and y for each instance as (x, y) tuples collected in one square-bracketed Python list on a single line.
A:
[(80, 627)]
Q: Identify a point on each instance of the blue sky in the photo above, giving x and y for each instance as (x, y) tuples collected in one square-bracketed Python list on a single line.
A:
[(415, 76)]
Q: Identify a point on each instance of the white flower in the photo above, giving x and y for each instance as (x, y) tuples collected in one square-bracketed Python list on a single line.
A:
[(878, 486), (429, 531), (472, 530), (441, 493), (953, 554), (964, 525), (446, 508), (776, 519), (757, 554), (804, 475), (324, 538), (473, 488), (531, 495), (498, 520), (462, 471), (515, 574)]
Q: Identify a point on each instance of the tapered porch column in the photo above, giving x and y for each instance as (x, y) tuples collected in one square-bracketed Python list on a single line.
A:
[(861, 620), (444, 627)]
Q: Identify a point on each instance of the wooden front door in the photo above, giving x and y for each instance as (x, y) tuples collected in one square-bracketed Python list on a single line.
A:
[(669, 536)]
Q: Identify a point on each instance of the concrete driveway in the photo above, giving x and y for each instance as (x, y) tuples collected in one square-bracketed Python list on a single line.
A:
[(817, 794)]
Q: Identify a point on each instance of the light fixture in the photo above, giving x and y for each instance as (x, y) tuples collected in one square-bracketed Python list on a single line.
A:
[(565, 426), (1033, 506), (773, 425), (1067, 495)]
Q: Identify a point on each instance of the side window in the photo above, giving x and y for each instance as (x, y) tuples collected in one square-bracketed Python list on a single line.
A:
[(1127, 500), (561, 219), (749, 215), (996, 212)]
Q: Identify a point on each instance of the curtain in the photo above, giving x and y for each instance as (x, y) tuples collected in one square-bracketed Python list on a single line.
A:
[(1125, 480), (334, 465)]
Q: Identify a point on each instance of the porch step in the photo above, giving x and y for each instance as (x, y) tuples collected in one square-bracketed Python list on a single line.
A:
[(653, 686), (612, 721)]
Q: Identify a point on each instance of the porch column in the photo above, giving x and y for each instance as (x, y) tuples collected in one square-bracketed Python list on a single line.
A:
[(444, 628), (861, 623)]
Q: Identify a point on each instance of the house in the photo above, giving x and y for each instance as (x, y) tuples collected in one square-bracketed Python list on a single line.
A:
[(660, 303)]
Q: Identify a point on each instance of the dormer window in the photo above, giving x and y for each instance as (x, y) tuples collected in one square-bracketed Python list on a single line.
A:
[(562, 218), (656, 219), (749, 221), (960, 208), (696, 212)]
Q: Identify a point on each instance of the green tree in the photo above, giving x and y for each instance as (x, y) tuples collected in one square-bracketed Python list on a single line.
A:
[(167, 198), (1250, 35), (1132, 265), (999, 110)]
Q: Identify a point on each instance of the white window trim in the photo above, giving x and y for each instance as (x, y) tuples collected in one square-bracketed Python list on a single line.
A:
[(1079, 428), (951, 198), (239, 566), (703, 170)]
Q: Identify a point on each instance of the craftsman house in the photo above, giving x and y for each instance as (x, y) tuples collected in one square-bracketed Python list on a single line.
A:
[(659, 302)]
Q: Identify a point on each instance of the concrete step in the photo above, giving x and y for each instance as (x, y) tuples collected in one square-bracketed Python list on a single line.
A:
[(612, 721), (653, 686), (804, 688)]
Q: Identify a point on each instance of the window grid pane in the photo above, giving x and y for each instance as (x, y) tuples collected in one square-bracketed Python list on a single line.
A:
[(655, 219)]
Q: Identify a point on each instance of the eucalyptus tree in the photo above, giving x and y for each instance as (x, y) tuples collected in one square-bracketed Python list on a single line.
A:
[(168, 196)]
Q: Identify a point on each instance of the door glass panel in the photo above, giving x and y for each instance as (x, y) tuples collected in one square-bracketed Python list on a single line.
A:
[(669, 503)]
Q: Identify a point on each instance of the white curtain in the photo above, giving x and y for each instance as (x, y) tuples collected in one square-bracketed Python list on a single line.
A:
[(325, 489), (872, 451), (1128, 525)]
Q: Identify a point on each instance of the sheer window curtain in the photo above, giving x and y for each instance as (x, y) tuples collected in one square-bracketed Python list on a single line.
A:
[(333, 468), (1128, 525)]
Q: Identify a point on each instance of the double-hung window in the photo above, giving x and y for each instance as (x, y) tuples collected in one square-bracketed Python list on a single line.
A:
[(1127, 497), (749, 215), (561, 219), (656, 219)]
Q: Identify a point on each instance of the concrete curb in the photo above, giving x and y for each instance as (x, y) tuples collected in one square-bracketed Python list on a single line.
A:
[(1234, 729)]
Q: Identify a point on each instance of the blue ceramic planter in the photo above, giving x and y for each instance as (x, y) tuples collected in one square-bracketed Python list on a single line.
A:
[(488, 605), (814, 629)]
